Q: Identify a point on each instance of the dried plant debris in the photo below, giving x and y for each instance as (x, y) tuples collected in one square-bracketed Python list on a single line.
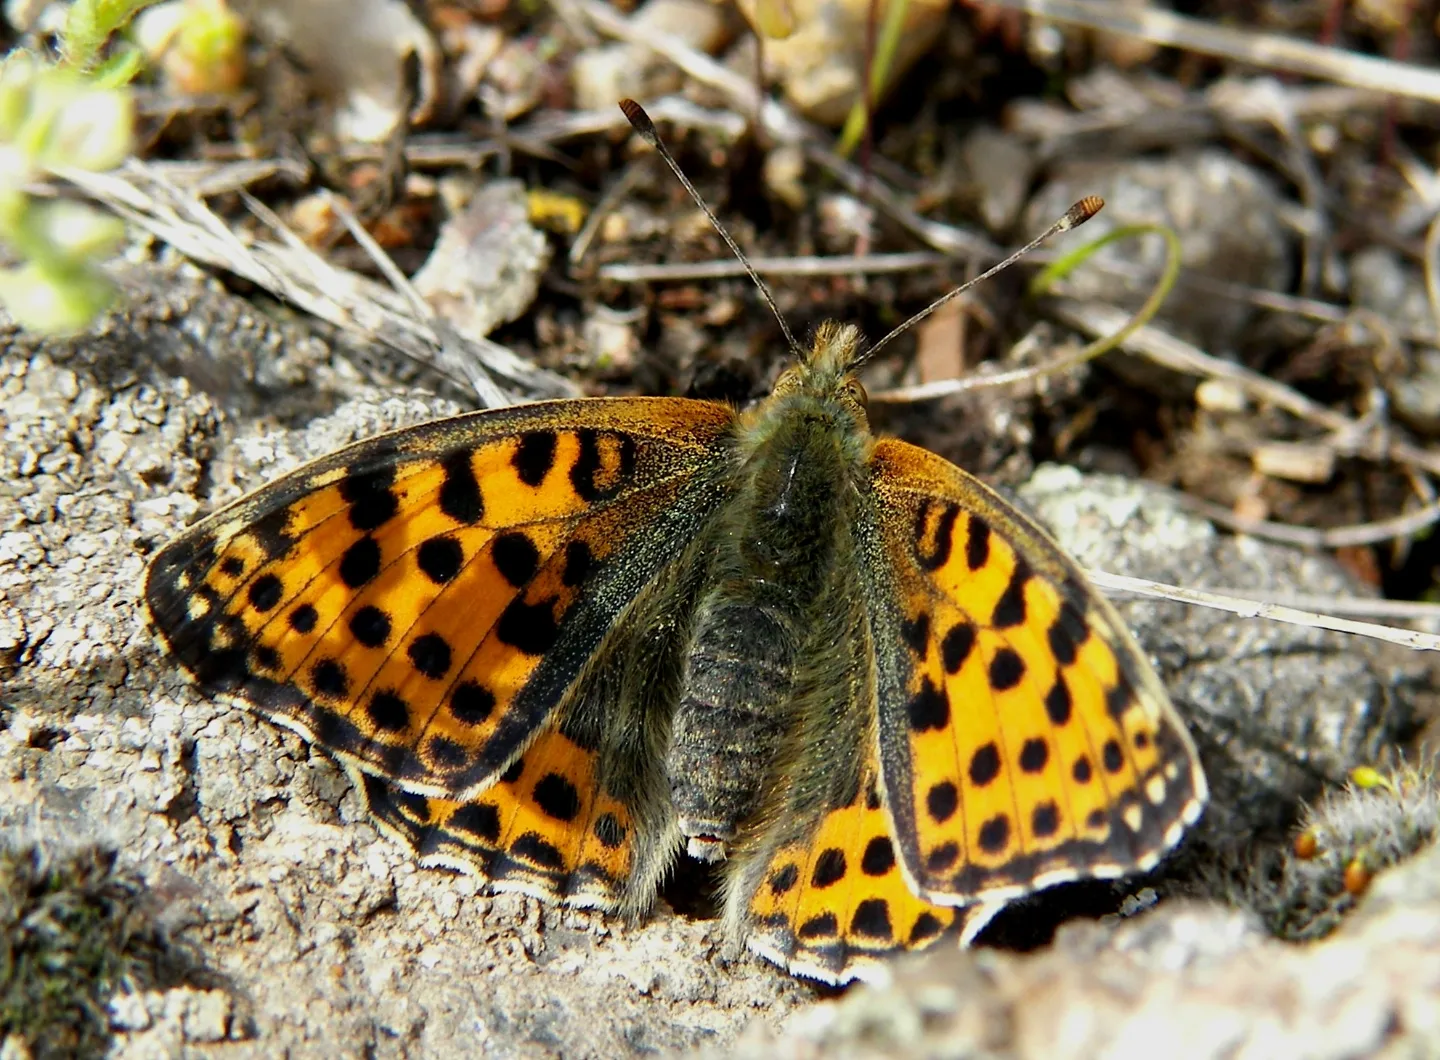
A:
[(1353, 833), (75, 930)]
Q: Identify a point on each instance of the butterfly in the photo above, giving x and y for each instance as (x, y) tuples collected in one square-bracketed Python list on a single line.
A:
[(555, 644)]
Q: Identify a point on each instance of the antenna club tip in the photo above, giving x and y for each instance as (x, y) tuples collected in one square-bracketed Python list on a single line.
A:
[(638, 119), (1083, 210)]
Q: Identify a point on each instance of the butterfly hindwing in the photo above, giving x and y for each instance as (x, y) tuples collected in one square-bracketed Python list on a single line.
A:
[(816, 886), (420, 602), (544, 828), (1024, 740), (832, 903)]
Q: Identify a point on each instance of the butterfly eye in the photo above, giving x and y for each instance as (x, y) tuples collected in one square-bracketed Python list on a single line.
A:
[(855, 391)]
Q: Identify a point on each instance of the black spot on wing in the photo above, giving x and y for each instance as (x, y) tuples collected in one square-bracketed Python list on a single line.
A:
[(782, 880), (265, 592), (480, 819), (977, 544), (942, 800), (513, 771), (538, 851), (956, 647), (819, 927), (471, 702), (1033, 755), (929, 708), (388, 712), (272, 533), (984, 764), (360, 562), (1045, 820), (1007, 669), (995, 834), (371, 497), (557, 797), (515, 557), (329, 679), (534, 456), (917, 634), (829, 868), (926, 927), (440, 558), (592, 480), (370, 626), (579, 562), (460, 497), (1058, 703), (933, 552), (527, 627), (872, 920), (879, 857), (1010, 608), (303, 618), (943, 857), (1067, 633), (430, 655)]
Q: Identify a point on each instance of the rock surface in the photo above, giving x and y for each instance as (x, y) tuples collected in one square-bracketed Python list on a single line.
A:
[(322, 939), (1186, 982)]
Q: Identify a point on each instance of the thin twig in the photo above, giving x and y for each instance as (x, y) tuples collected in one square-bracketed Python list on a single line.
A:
[(1408, 638), (1432, 280), (1345, 606), (1372, 533), (724, 268), (1266, 50)]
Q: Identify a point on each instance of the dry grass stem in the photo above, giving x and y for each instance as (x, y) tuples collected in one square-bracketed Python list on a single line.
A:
[(292, 271), (1266, 50), (1407, 638)]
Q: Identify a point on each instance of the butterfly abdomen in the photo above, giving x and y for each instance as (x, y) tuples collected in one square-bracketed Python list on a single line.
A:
[(737, 680)]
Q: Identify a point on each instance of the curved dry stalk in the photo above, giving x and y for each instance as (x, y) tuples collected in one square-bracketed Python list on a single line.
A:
[(1371, 533), (1039, 285), (1432, 270)]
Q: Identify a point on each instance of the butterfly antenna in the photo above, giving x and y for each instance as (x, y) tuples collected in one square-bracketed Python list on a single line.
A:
[(640, 121), (1077, 215)]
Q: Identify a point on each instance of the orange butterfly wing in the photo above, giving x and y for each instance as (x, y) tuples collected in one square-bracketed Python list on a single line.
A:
[(418, 603), (1024, 738), (830, 901), (546, 828)]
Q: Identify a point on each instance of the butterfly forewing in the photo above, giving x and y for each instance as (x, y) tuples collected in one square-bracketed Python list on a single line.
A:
[(419, 603), (1024, 739)]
